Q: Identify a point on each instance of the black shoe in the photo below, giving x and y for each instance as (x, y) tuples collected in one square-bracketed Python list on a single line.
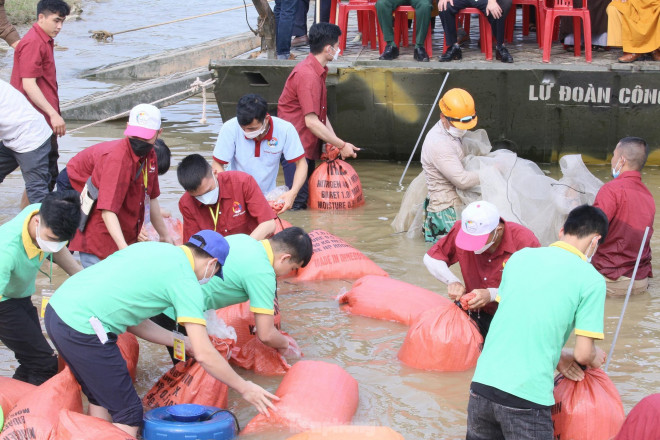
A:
[(420, 54), (452, 53), (391, 52), (502, 54), (298, 207)]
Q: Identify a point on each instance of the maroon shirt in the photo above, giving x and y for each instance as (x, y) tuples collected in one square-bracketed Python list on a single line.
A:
[(484, 270), (630, 208), (241, 207), (34, 58), (119, 176), (304, 93), (81, 166)]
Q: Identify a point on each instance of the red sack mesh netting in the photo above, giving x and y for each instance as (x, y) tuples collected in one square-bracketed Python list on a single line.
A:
[(590, 409), (312, 394), (385, 298), (334, 185)]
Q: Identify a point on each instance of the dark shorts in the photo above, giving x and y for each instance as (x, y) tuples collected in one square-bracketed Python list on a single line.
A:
[(99, 368), (34, 168)]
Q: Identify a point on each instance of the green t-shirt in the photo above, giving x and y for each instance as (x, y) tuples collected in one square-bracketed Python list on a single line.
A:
[(248, 275), (545, 293), (20, 259), (130, 286)]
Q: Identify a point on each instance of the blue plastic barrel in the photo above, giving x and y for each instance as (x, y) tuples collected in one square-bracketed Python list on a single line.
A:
[(187, 422)]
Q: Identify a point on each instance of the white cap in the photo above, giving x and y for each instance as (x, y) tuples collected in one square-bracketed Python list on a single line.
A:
[(478, 220), (143, 122)]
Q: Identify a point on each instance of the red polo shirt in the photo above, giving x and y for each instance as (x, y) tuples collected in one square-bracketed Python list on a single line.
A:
[(630, 208), (241, 207), (119, 176), (34, 58), (80, 167), (484, 270), (304, 93)]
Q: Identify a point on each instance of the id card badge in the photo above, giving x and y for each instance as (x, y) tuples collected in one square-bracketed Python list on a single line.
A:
[(98, 329), (45, 297), (179, 346)]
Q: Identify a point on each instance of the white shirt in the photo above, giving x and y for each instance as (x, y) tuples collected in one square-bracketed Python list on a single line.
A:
[(260, 159), (22, 128)]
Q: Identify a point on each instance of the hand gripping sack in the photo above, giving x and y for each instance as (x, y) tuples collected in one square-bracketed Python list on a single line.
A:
[(36, 415), (385, 298), (334, 185), (442, 339), (642, 421), (11, 391), (312, 394), (590, 409), (343, 432), (188, 382), (333, 258), (129, 347), (76, 426), (174, 227)]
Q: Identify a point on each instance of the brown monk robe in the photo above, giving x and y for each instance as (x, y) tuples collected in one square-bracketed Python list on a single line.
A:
[(7, 31), (635, 25)]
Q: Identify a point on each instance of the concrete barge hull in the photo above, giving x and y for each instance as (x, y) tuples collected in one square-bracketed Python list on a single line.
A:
[(540, 112)]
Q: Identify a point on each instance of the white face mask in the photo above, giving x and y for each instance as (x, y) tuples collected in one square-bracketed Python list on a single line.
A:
[(255, 134), (206, 279), (456, 132), (615, 172), (48, 246), (210, 197), (487, 245), (336, 55), (594, 253)]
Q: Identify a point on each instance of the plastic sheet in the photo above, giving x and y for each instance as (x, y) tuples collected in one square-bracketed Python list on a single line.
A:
[(273, 198)]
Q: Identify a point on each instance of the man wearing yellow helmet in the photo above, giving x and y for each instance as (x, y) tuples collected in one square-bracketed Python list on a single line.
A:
[(442, 153)]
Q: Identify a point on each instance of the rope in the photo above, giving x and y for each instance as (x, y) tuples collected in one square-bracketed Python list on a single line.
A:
[(106, 36), (193, 88)]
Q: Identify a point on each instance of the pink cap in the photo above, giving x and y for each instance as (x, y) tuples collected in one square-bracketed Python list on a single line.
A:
[(143, 122), (478, 220)]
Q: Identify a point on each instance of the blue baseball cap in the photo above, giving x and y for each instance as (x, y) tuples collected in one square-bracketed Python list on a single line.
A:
[(212, 243)]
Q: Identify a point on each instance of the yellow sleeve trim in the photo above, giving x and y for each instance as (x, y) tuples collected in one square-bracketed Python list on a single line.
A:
[(191, 320), (262, 311), (269, 251), (30, 249), (498, 298), (189, 254), (592, 335), (567, 247)]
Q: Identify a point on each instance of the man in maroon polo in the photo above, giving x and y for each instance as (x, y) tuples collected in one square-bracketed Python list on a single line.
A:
[(125, 176), (304, 103), (229, 202), (481, 243), (630, 208), (34, 71)]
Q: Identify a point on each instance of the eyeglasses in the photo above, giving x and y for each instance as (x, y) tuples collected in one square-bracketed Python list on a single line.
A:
[(463, 119)]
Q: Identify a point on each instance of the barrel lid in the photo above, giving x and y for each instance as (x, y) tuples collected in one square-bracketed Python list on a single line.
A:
[(186, 412)]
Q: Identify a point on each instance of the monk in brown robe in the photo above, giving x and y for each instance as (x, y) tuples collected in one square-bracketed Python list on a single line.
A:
[(635, 25)]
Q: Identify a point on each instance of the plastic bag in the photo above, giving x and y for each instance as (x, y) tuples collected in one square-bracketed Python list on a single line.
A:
[(174, 227), (312, 394), (274, 198), (442, 339), (411, 213), (385, 298), (215, 326), (334, 185), (75, 426)]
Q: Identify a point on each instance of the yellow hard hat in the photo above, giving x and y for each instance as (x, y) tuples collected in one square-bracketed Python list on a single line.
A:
[(457, 106)]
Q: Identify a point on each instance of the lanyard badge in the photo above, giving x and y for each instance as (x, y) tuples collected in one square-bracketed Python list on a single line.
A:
[(179, 346)]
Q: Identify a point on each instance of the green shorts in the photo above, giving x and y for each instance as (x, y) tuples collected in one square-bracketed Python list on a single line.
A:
[(437, 224)]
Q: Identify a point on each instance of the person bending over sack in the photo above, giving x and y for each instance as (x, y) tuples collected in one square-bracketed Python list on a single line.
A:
[(38, 232), (250, 274), (119, 294), (482, 242)]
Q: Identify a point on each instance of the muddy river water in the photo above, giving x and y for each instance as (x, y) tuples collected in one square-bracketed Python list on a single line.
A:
[(418, 404)]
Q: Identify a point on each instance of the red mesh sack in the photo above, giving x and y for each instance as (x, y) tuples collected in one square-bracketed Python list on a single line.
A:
[(334, 185), (75, 426), (129, 347), (36, 415), (333, 258), (174, 227), (590, 409), (385, 298), (442, 339), (342, 432), (11, 391), (312, 394), (188, 382), (642, 421)]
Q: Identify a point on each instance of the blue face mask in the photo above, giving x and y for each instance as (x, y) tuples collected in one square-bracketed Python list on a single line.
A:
[(616, 173)]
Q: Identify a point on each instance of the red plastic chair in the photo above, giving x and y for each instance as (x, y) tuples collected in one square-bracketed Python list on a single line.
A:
[(564, 8), (485, 31), (366, 15), (401, 30), (511, 20)]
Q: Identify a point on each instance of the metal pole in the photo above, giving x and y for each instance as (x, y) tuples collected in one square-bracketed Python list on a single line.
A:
[(317, 11), (424, 128), (625, 302)]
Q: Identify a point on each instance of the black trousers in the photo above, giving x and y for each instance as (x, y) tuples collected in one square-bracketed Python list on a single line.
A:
[(169, 324), (448, 18), (20, 331)]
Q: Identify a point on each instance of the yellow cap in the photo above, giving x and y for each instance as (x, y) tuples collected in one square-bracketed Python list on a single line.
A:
[(457, 106)]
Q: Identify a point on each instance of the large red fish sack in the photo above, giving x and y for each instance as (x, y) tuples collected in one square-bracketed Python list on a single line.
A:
[(334, 185), (174, 227), (643, 422), (188, 382), (590, 409), (36, 415), (349, 433), (442, 339), (76, 426), (129, 347), (11, 391), (241, 318), (312, 394), (333, 258), (385, 298)]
